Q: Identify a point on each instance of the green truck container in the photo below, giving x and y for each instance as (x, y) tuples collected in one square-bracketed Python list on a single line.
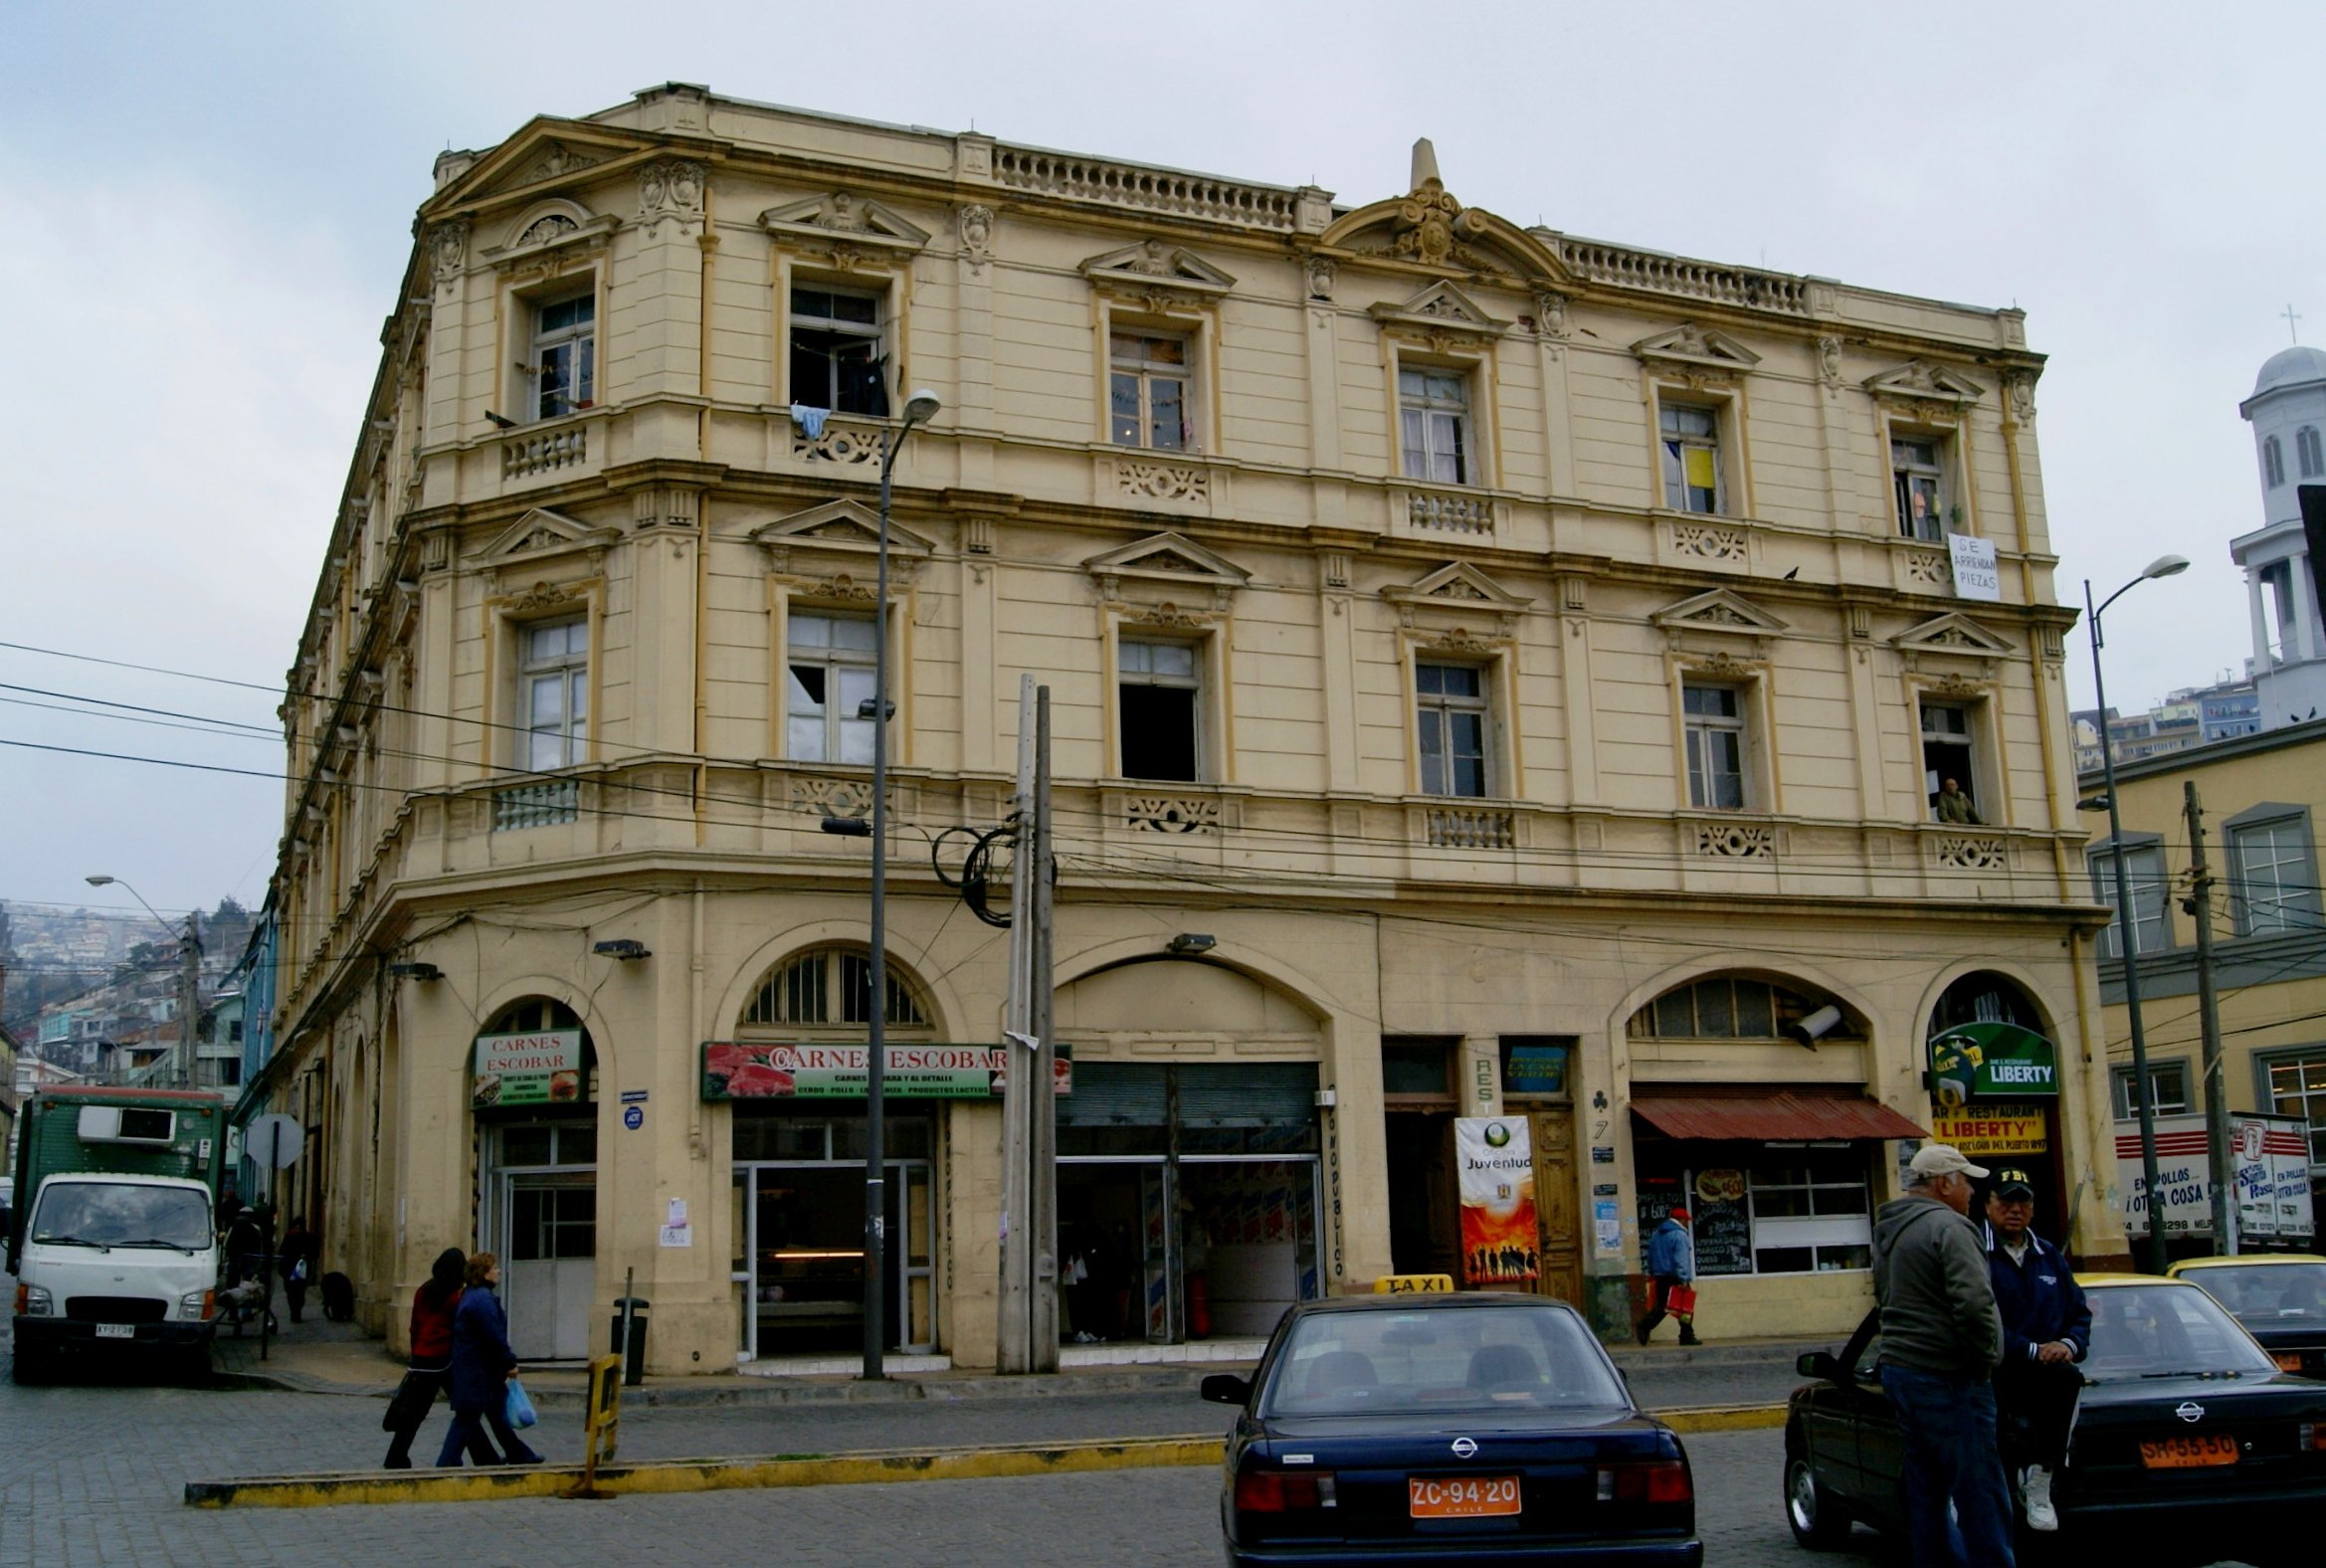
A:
[(118, 1131)]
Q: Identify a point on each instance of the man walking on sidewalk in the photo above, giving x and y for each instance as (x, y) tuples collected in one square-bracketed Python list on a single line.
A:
[(1941, 1339), (1672, 1273), (2047, 1328)]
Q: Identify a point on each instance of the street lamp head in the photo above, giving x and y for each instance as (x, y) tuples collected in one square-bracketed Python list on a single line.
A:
[(2164, 566), (922, 407), (98, 882)]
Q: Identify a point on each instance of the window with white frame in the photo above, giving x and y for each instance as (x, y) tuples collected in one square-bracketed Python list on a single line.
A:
[(1149, 390), (828, 712), (2144, 876), (1715, 722), (2295, 1082), (1160, 688), (2307, 456), (2168, 1090), (2271, 882), (1918, 483), (1452, 727), (1813, 1213), (1949, 756), (563, 369), (837, 358), (2272, 461), (554, 678), (1434, 413), (1692, 479)]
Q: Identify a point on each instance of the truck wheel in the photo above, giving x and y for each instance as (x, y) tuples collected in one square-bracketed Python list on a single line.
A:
[(1818, 1521)]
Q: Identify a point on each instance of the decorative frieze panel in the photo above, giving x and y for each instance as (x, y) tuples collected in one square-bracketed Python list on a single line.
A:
[(1468, 827), (544, 454), (1970, 852), (1171, 813), (1703, 541), (1163, 482), (848, 446), (1734, 841), (671, 190), (1927, 571), (823, 797)]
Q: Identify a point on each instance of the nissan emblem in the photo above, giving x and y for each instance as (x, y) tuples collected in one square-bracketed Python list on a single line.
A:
[(1463, 1448), (2190, 1411)]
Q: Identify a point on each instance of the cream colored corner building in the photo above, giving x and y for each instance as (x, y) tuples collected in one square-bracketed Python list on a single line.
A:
[(1530, 662)]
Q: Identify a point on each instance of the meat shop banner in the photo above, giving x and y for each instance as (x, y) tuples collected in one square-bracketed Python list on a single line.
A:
[(539, 1068), (751, 1070), (1499, 1239)]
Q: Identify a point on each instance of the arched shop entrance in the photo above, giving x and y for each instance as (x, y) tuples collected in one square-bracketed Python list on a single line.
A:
[(1995, 1086), (532, 1091)]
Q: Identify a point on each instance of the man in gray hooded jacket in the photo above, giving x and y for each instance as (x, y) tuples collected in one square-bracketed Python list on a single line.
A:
[(1941, 1337)]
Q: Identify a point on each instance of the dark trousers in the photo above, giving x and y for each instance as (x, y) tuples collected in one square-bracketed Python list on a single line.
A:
[(1948, 1427), (400, 1449), (2035, 1410), (1659, 1292), (467, 1433), (295, 1290)]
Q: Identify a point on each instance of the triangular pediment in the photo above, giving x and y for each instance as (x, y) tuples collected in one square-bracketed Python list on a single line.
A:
[(1719, 611), (848, 526), (1443, 307), (1168, 557), (541, 532), (1922, 381), (1155, 263), (542, 157), (846, 217), (1459, 585), (1951, 634), (1699, 348)]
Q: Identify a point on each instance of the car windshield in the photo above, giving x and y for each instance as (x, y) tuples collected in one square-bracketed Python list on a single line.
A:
[(2266, 1296), (1439, 1359), (121, 1214), (2167, 1330)]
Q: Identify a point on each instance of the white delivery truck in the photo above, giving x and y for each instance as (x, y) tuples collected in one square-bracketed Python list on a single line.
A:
[(2272, 1157)]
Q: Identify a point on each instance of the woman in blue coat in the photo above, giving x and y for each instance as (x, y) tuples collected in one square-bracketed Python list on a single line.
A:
[(482, 1364)]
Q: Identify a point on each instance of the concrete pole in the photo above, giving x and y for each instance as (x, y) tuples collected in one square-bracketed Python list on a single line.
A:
[(2220, 1164), (1012, 1323), (190, 1004), (1042, 1331)]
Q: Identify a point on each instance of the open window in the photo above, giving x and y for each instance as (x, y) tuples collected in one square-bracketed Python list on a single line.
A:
[(1918, 484), (1950, 761), (1715, 721), (1160, 709), (1695, 472), (837, 349), (827, 686), (1437, 436)]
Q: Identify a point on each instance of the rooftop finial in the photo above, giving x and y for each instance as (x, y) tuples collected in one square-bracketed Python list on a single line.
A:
[(1425, 164)]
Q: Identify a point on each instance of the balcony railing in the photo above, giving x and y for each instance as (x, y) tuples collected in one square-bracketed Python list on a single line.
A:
[(543, 805)]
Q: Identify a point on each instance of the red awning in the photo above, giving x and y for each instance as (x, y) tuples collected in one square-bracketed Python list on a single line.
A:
[(1775, 1119)]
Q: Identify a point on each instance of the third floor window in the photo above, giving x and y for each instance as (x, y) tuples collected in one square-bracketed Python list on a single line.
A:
[(837, 361), (564, 368), (1148, 391), (1435, 418)]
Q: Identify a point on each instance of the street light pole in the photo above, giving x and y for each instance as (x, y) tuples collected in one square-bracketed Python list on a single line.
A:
[(918, 409), (2127, 924), (182, 1058)]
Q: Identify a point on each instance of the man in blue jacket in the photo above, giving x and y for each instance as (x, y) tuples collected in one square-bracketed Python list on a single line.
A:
[(1672, 1263), (2047, 1328)]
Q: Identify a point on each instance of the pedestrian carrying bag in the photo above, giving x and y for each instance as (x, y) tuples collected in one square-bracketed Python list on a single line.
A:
[(520, 1411), (410, 1406)]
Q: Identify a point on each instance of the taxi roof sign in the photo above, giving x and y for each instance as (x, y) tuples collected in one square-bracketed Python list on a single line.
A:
[(1414, 1285)]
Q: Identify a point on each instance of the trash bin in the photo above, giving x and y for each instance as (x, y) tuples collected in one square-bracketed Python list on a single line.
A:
[(629, 1337)]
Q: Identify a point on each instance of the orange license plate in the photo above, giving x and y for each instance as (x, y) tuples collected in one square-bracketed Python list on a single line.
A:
[(2189, 1453), (1463, 1497), (2287, 1360)]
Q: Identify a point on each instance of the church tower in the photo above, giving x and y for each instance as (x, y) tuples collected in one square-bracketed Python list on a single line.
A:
[(2288, 414)]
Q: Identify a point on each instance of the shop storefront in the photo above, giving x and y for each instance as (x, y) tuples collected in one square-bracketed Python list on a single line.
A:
[(533, 1095)]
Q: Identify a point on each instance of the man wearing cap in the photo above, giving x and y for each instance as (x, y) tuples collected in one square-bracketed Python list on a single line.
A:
[(1672, 1265), (1941, 1337), (2047, 1328)]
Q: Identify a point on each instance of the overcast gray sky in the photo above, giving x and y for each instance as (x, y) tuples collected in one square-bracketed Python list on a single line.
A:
[(206, 211)]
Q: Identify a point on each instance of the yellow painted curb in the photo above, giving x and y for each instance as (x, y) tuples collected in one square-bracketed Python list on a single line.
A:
[(1723, 1417), (677, 1475)]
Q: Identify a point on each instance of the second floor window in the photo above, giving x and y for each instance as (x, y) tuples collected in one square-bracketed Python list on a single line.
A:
[(2270, 864), (829, 683), (1691, 459), (564, 367), (836, 356), (1915, 477), (1715, 728), (2168, 1090), (1160, 709), (1148, 391), (556, 684), (1452, 722), (1434, 417), (2144, 876), (1948, 784)]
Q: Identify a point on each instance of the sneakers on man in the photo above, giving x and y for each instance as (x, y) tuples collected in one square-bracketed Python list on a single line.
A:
[(2035, 1497), (1688, 1338)]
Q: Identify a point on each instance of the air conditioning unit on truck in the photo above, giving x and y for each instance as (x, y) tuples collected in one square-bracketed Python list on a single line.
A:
[(114, 1245), (2273, 1159)]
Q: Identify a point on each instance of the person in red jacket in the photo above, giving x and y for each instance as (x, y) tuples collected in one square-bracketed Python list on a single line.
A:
[(433, 1306)]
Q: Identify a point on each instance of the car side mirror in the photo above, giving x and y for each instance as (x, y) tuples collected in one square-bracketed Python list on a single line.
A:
[(1226, 1388), (1821, 1365)]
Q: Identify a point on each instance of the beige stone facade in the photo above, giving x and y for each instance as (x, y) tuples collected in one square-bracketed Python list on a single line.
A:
[(1522, 654)]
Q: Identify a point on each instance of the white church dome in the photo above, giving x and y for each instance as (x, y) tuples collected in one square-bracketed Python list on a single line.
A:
[(2292, 367)]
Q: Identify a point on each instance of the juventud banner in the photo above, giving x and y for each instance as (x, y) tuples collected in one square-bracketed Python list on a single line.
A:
[(1498, 1237)]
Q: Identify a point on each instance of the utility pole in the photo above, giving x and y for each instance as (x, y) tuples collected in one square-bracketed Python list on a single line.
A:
[(2220, 1164), (1013, 1345), (190, 1004), (1042, 1331)]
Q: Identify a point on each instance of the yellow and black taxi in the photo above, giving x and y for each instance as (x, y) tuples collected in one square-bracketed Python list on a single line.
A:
[(2189, 1442), (1473, 1428), (2280, 1297)]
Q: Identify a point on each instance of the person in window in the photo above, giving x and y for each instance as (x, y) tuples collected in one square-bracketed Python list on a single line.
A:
[(482, 1364), (1672, 1266), (2047, 1329), (431, 1366), (1954, 805)]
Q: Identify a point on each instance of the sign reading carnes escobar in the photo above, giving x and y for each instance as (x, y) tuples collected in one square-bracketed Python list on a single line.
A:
[(534, 1068), (752, 1070), (1992, 1060), (1500, 1241)]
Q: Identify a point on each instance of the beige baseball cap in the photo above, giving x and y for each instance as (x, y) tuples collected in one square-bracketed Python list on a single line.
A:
[(1944, 1159)]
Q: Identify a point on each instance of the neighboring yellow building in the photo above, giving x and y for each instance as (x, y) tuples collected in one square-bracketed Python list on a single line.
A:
[(1533, 661)]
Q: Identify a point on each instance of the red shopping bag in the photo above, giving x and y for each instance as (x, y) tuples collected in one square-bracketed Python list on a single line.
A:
[(1680, 1299)]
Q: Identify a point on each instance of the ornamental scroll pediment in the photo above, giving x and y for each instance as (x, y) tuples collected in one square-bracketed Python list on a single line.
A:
[(847, 227), (540, 534), (1440, 310), (1693, 352), (1918, 381), (1457, 606), (1718, 614), (1157, 276), (840, 540), (546, 226), (1166, 578)]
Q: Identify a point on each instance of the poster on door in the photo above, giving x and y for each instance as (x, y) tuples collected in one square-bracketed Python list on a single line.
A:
[(1499, 1239)]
